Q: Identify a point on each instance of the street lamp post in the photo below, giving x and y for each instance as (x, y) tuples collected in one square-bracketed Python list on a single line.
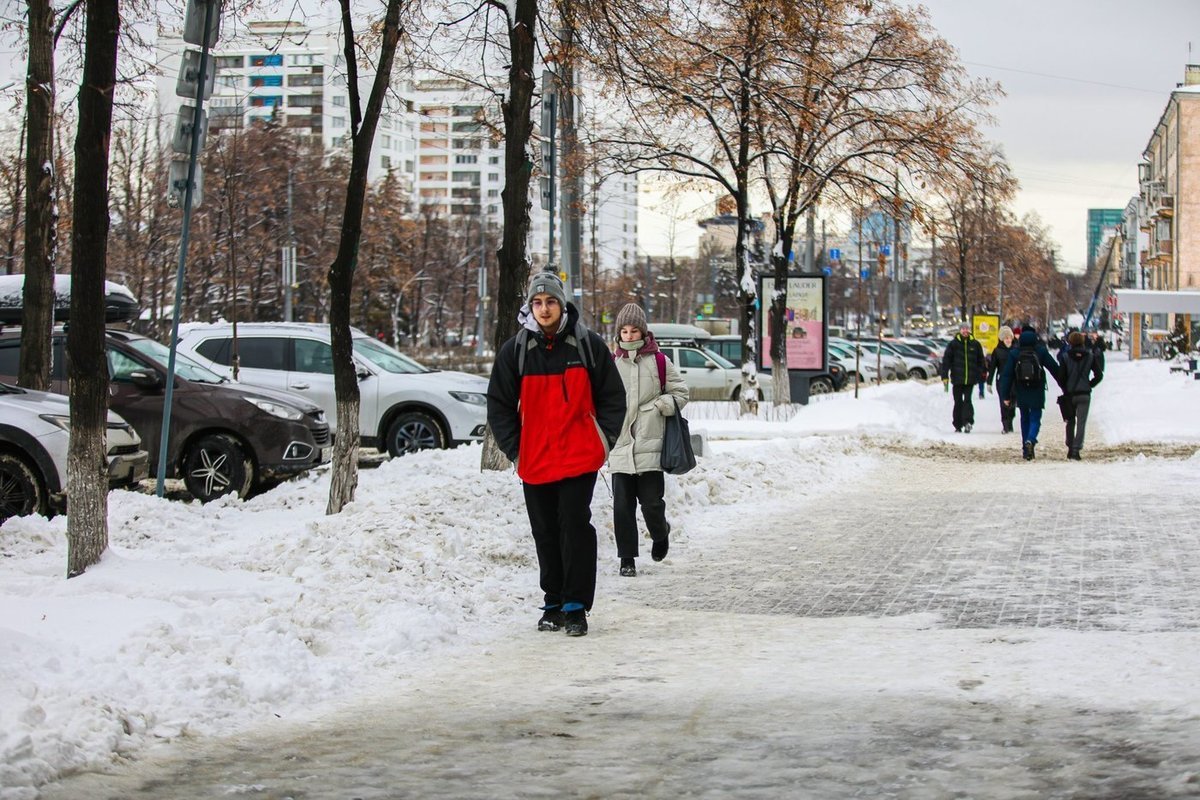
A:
[(420, 276)]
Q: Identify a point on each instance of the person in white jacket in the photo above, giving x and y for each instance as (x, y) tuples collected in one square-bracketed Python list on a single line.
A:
[(652, 387)]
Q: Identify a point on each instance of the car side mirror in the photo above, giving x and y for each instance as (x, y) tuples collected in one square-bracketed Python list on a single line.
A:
[(363, 374), (146, 379), (711, 366)]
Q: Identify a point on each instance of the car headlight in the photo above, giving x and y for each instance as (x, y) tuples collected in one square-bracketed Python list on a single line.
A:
[(281, 410), (474, 398), (61, 420)]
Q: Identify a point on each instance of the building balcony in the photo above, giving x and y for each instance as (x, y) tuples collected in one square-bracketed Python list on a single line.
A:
[(1165, 206), (1164, 248)]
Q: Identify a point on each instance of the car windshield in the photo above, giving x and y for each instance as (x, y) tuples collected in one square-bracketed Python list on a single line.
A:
[(722, 362), (387, 359), (184, 367)]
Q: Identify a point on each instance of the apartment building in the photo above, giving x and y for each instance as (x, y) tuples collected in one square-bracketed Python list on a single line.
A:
[(294, 74), (1169, 178)]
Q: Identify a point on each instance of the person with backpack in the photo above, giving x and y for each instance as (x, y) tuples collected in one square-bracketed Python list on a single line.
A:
[(654, 390), (996, 362), (1082, 368), (963, 368), (1024, 379), (555, 404)]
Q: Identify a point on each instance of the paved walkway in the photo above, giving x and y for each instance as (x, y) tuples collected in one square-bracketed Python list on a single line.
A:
[(890, 638)]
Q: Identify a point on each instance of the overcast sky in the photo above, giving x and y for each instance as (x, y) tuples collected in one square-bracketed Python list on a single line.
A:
[(1086, 82)]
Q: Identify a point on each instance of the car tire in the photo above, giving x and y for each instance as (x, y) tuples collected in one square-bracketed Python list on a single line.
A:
[(412, 431), (917, 373), (21, 489), (820, 386), (215, 465)]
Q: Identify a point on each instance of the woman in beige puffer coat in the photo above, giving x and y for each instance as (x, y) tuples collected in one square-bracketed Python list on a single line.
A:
[(634, 461)]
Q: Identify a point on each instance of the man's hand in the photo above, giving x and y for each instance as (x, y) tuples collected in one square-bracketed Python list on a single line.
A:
[(946, 384)]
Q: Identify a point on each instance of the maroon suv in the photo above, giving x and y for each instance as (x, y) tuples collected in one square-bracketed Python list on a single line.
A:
[(224, 437)]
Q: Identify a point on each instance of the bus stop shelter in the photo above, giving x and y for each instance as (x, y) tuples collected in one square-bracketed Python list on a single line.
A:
[(1136, 302)]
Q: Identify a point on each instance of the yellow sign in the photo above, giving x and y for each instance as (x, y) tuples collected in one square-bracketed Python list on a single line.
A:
[(986, 329)]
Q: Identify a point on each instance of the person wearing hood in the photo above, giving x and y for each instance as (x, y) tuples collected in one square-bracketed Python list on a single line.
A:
[(555, 404), (1082, 368), (1024, 379), (654, 390)]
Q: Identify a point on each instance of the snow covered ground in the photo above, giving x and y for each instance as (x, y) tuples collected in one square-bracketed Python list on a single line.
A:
[(205, 620)]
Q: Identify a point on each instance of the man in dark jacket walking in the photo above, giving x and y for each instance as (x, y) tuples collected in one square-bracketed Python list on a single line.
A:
[(962, 369), (555, 406), (1024, 378), (996, 362), (1082, 367)]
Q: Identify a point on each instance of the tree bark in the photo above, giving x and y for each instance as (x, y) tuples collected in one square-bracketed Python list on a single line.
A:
[(512, 258), (40, 216), (341, 273), (87, 481)]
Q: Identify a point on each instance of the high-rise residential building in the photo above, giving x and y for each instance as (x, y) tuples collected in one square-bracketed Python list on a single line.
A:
[(294, 74), (1098, 221)]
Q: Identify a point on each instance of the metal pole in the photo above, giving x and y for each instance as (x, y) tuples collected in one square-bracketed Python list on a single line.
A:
[(1000, 300), (210, 9), (553, 172), (895, 311), (481, 323), (289, 272)]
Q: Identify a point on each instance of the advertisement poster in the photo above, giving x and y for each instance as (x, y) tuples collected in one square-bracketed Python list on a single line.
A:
[(986, 329), (804, 325)]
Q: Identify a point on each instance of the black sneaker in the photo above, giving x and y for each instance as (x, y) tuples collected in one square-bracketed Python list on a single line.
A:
[(552, 620), (1027, 451), (576, 623), (1074, 455), (658, 550), (628, 568)]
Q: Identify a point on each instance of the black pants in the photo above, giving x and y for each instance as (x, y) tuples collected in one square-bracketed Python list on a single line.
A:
[(1077, 421), (628, 492), (964, 410), (1007, 415), (560, 514)]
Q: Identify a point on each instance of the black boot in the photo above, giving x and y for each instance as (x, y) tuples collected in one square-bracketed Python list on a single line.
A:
[(1074, 455), (658, 550), (552, 619), (628, 568), (576, 622), (1027, 451)]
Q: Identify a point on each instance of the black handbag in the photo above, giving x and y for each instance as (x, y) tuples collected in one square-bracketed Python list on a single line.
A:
[(1066, 407), (677, 456)]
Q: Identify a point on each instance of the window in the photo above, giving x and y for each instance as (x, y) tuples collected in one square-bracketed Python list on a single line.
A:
[(337, 122), (228, 81), (464, 159), (493, 159), (272, 60), (305, 80), (692, 358), (266, 101), (312, 356), (10, 360), (121, 365), (493, 176), (466, 111), (267, 352), (385, 141), (493, 192), (339, 101), (230, 62), (265, 80), (408, 165), (304, 100), (385, 162), (215, 350), (465, 177), (465, 127), (302, 59)]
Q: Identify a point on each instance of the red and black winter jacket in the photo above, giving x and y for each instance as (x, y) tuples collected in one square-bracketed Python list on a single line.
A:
[(555, 417)]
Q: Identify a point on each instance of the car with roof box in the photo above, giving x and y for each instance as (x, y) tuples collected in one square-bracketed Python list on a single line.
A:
[(223, 437)]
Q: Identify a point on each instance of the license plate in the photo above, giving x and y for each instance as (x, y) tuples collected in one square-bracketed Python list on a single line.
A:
[(326, 453)]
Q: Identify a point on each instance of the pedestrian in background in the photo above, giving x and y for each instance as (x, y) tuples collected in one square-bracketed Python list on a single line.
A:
[(654, 390), (555, 404), (996, 362), (1024, 376), (962, 369), (1082, 368)]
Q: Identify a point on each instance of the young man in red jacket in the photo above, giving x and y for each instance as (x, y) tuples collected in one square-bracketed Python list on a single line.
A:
[(555, 407)]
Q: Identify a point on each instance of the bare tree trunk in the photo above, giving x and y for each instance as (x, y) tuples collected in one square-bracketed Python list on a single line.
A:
[(341, 273), (777, 331), (40, 216), (87, 481), (518, 127)]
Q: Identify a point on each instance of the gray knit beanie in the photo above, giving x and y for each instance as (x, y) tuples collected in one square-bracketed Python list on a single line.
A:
[(547, 283), (632, 314)]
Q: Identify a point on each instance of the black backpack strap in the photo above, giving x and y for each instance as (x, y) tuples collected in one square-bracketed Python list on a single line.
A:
[(524, 344), (579, 340)]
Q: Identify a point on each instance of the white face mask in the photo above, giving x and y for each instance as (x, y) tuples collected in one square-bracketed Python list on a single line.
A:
[(631, 346)]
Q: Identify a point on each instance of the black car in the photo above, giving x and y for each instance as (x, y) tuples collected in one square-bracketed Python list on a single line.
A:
[(224, 437)]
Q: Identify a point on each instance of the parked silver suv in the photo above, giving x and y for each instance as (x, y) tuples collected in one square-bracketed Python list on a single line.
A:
[(34, 435), (405, 406)]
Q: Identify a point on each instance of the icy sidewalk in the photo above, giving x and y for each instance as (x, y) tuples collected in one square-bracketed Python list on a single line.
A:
[(914, 630)]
